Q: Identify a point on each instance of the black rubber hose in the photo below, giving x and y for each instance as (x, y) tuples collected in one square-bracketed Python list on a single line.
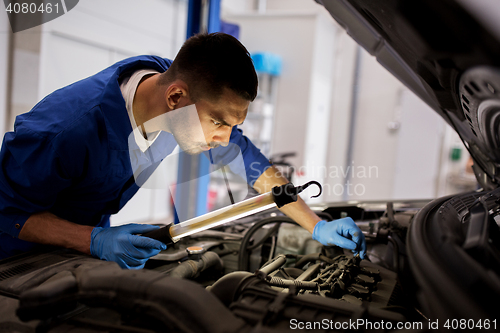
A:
[(277, 263), (191, 268), (271, 231), (158, 302), (244, 248), (313, 257), (243, 254), (395, 258), (268, 234), (307, 258)]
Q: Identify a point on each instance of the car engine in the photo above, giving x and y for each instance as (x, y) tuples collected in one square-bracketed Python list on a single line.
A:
[(261, 273), (426, 262)]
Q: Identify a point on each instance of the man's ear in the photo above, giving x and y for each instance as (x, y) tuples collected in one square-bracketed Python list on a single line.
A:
[(174, 93)]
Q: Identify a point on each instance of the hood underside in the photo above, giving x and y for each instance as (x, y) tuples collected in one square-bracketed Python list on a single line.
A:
[(448, 53)]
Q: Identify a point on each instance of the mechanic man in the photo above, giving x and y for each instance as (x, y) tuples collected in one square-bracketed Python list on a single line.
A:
[(67, 166)]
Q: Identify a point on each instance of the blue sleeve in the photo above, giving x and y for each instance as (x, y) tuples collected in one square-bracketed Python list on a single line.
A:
[(31, 176), (255, 162)]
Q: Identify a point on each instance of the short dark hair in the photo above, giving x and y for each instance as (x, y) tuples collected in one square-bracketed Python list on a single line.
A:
[(208, 63)]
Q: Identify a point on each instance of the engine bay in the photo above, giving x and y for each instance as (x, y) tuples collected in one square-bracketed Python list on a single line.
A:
[(261, 273)]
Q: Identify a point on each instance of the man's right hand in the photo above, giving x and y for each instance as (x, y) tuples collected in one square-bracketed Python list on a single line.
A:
[(122, 245)]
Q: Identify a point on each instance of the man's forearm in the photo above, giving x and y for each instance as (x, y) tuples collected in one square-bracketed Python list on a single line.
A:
[(46, 228), (298, 211)]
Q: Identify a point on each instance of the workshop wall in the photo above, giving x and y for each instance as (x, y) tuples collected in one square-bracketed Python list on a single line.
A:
[(95, 36), (396, 135), (354, 127), (305, 40), (343, 87)]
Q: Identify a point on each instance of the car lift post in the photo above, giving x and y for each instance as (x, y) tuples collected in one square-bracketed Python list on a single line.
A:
[(191, 201)]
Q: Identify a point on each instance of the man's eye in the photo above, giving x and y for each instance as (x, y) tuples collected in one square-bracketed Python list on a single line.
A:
[(216, 123)]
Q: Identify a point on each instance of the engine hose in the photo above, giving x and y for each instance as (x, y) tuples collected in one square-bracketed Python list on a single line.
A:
[(305, 259), (313, 257), (277, 263), (245, 248), (192, 268), (395, 254), (268, 234), (278, 282), (243, 254)]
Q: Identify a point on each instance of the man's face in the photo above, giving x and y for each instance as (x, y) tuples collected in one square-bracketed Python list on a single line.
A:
[(214, 123)]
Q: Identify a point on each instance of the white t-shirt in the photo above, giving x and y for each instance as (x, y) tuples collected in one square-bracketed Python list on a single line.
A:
[(128, 87)]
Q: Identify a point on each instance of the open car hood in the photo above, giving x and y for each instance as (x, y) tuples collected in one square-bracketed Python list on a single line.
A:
[(448, 53)]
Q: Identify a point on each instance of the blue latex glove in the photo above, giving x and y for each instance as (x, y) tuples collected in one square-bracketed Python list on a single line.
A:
[(342, 232), (123, 246)]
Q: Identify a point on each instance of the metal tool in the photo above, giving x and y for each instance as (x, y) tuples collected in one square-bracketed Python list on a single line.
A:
[(279, 196)]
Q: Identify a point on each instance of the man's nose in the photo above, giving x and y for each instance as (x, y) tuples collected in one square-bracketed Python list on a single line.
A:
[(223, 135)]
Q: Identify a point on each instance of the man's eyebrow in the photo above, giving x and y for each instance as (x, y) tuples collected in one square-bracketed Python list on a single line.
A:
[(223, 122)]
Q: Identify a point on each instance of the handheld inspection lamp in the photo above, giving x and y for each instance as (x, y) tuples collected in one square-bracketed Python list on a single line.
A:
[(279, 196)]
